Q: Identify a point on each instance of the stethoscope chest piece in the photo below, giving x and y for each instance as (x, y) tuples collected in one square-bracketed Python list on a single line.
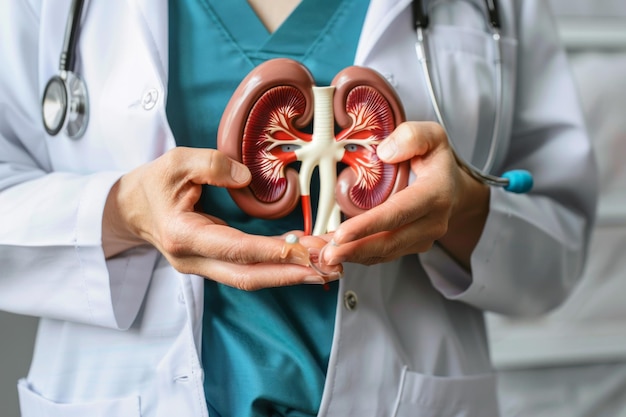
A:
[(65, 104)]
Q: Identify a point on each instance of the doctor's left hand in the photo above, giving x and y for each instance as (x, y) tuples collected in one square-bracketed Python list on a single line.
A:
[(443, 204), (155, 204)]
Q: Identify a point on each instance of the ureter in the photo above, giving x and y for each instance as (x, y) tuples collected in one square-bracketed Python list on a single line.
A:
[(298, 254)]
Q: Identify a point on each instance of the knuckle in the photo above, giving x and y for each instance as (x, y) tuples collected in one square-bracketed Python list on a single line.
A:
[(174, 157), (435, 130), (172, 246), (401, 212), (216, 162), (408, 131), (247, 282), (424, 246), (174, 238), (234, 252), (439, 229), (374, 260), (179, 264), (243, 282), (394, 249), (396, 245), (170, 164), (411, 139), (442, 203)]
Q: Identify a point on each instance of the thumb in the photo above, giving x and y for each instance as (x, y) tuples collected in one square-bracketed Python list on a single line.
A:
[(410, 139), (210, 166), (239, 173)]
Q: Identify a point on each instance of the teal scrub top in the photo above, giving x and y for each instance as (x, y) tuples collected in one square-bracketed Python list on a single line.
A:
[(265, 353)]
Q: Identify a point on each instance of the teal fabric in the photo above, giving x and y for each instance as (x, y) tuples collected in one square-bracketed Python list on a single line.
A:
[(265, 353)]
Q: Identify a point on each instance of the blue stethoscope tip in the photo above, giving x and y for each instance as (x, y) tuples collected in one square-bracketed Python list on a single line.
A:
[(520, 181)]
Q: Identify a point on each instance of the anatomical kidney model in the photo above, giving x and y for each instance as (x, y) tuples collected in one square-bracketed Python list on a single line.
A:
[(263, 127)]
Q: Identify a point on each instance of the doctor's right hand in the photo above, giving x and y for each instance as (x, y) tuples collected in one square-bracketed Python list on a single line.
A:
[(155, 204)]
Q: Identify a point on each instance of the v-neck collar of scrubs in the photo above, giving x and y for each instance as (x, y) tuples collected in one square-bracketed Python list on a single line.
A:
[(296, 36)]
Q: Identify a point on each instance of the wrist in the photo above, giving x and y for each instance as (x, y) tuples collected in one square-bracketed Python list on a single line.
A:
[(467, 222), (117, 236)]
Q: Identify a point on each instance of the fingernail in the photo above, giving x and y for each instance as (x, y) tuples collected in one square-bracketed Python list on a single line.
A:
[(239, 173), (330, 260), (334, 276), (387, 149), (336, 261), (314, 255), (331, 244), (314, 279)]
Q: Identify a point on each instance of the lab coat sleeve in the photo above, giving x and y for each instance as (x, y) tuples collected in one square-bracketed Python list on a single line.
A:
[(51, 259), (533, 247)]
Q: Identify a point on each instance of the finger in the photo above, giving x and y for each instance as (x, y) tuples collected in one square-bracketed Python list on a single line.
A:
[(196, 236), (401, 208), (211, 218), (308, 255), (317, 242), (410, 139), (257, 276), (207, 166), (313, 244), (230, 245), (414, 238)]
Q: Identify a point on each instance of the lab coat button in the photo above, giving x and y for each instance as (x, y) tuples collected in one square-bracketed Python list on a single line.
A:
[(150, 99), (350, 300)]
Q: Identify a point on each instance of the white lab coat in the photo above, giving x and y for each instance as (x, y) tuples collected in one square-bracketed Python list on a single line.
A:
[(580, 347), (121, 336)]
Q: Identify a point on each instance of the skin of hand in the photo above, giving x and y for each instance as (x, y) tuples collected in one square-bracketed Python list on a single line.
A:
[(155, 204), (444, 204)]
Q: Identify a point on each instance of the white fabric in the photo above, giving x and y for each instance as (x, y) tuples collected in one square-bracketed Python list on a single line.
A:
[(586, 390), (591, 325), (572, 362), (121, 332)]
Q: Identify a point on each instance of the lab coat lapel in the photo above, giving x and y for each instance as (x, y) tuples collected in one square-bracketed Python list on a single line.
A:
[(152, 15), (380, 14)]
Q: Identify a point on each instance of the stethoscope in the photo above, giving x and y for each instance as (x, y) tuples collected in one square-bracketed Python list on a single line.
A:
[(65, 104), (517, 181)]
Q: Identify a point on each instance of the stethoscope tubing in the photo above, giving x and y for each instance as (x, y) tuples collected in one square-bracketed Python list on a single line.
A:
[(67, 58), (421, 52), (517, 181)]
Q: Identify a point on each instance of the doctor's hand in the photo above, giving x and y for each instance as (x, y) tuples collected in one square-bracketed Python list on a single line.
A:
[(156, 202), (443, 204)]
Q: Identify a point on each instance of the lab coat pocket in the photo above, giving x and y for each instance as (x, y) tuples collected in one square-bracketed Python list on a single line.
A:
[(434, 396), (34, 405)]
